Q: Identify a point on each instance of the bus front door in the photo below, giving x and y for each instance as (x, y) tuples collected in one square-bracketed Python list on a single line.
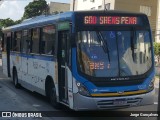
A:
[(8, 53), (63, 38)]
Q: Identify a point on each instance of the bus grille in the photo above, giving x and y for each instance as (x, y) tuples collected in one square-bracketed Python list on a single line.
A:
[(110, 104)]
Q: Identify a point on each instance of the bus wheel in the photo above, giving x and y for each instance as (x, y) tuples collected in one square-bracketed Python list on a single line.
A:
[(53, 98), (15, 79)]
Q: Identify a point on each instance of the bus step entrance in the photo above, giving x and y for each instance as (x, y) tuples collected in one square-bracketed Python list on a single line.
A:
[(65, 101)]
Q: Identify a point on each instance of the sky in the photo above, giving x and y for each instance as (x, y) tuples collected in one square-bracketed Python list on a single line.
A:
[(14, 9)]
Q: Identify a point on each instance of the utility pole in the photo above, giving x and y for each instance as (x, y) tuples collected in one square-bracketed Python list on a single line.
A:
[(104, 4), (73, 5)]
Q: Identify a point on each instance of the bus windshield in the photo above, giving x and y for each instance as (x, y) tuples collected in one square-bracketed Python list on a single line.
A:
[(114, 53)]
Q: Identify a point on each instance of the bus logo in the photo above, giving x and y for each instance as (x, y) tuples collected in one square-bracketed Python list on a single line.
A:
[(94, 90), (120, 92)]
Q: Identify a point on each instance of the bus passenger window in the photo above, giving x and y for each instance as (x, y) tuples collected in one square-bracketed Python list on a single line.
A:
[(24, 41), (16, 46), (12, 40), (29, 41), (35, 40), (48, 40)]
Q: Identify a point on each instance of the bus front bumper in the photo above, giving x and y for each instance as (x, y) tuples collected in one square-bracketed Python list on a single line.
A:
[(100, 103)]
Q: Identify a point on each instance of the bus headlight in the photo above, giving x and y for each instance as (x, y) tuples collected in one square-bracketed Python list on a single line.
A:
[(82, 89), (151, 85)]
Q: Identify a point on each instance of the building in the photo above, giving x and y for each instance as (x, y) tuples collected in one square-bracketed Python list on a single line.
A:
[(158, 24), (91, 4), (149, 7), (56, 7)]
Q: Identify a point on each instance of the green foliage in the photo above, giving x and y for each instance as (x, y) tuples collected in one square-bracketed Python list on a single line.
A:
[(17, 22), (157, 52), (0, 33), (156, 48), (35, 8), (6, 22)]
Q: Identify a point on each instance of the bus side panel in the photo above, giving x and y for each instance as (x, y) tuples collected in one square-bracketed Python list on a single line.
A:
[(11, 64), (70, 87), (55, 76), (37, 74), (39, 67), (26, 78), (15, 61)]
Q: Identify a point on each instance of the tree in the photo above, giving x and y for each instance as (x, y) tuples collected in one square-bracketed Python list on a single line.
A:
[(17, 21), (157, 51), (0, 33), (35, 8), (6, 22)]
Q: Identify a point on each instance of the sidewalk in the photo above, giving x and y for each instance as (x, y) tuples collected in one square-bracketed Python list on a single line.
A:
[(156, 83)]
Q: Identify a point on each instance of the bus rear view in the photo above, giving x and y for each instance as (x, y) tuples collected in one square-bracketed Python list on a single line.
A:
[(112, 61)]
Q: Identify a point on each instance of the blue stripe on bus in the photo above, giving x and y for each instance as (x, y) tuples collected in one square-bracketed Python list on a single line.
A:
[(143, 86), (90, 86), (33, 56)]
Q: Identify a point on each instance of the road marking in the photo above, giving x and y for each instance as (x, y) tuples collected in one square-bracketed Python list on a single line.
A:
[(156, 103)]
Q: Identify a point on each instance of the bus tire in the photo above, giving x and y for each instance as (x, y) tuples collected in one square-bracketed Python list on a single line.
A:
[(15, 79), (53, 97)]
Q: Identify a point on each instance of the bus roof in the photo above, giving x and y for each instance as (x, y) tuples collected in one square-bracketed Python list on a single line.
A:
[(39, 21), (50, 19)]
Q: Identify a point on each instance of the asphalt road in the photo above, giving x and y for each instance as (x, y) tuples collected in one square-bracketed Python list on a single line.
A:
[(12, 99)]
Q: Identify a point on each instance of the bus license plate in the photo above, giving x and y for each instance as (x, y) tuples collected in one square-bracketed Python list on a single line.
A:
[(120, 102)]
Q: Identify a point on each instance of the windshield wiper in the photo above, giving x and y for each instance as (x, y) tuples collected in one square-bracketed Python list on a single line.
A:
[(102, 41), (105, 44), (132, 45)]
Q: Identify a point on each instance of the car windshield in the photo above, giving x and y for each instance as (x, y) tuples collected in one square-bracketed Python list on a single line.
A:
[(114, 53)]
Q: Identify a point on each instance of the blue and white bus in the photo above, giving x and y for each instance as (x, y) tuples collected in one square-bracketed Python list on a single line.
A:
[(85, 60)]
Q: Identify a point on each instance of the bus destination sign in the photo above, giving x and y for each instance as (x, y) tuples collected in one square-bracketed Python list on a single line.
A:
[(110, 20)]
